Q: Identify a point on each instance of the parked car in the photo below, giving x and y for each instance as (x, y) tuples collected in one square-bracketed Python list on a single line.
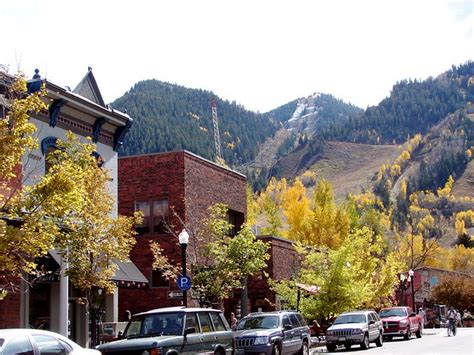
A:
[(272, 333), (401, 322), (174, 330), (358, 327), (36, 342)]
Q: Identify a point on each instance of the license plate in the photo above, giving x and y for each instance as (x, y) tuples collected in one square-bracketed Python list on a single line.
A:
[(342, 339), (239, 351)]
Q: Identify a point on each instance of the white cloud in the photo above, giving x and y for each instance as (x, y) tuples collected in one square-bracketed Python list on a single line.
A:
[(260, 53)]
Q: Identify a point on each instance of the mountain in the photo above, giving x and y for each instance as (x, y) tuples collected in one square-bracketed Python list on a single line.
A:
[(413, 107), (171, 117)]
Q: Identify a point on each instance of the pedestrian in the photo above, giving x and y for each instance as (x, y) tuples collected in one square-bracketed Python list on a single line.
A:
[(422, 314), (233, 321), (458, 318)]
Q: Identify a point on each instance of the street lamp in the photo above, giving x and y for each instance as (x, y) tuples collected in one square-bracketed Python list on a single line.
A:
[(411, 273), (183, 241)]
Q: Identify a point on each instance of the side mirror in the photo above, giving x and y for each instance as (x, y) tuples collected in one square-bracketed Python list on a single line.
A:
[(120, 335), (371, 322), (189, 330), (287, 327)]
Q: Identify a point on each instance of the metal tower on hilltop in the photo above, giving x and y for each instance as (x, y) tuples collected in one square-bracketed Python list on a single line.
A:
[(215, 123)]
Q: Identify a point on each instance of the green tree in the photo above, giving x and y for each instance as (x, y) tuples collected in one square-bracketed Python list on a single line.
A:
[(358, 274)]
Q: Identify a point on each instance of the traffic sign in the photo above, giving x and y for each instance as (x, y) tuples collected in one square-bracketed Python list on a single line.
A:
[(172, 295), (184, 282)]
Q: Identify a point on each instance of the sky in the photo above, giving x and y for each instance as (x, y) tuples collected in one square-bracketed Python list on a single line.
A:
[(259, 53)]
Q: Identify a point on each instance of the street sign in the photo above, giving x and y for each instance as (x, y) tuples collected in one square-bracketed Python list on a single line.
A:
[(173, 295), (184, 283)]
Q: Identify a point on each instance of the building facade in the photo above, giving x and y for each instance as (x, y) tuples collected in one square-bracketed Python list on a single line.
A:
[(84, 112), (173, 190)]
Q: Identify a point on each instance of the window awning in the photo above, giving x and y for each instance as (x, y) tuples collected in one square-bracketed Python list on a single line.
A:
[(126, 275), (313, 289)]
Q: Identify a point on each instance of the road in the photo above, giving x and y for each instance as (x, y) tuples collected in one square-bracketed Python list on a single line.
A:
[(434, 341)]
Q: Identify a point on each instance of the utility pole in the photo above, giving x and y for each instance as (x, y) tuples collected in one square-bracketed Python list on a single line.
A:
[(215, 124)]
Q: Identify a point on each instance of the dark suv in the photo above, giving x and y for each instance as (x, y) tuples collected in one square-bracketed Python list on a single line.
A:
[(174, 330), (272, 333)]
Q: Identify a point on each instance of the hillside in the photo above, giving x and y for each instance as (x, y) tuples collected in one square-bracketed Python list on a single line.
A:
[(348, 166), (171, 117)]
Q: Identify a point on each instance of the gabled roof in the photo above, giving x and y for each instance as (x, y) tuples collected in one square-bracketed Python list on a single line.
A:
[(88, 88)]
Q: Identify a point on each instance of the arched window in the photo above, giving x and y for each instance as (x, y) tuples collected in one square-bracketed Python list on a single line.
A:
[(48, 145)]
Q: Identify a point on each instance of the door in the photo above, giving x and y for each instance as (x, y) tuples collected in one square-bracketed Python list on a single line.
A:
[(288, 342), (209, 338), (298, 329), (224, 335), (373, 328), (192, 342)]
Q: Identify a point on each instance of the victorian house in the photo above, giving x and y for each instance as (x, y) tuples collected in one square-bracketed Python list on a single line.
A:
[(84, 112)]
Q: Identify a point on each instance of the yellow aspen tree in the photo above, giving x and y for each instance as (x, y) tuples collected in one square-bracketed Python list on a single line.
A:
[(296, 210)]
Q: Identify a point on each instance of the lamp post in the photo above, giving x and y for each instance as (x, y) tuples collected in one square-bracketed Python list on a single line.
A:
[(183, 241), (411, 273)]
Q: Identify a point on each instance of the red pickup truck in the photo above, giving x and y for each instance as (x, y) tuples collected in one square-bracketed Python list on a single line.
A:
[(401, 322)]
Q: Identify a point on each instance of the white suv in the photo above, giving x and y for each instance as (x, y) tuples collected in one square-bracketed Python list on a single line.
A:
[(358, 327)]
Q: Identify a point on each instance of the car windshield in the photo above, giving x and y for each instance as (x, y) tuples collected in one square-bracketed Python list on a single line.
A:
[(350, 318), (401, 312), (155, 325), (261, 322)]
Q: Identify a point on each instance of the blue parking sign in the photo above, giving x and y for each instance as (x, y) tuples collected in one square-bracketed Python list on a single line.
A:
[(184, 283)]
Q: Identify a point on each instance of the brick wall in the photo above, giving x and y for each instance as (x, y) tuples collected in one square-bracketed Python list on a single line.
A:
[(10, 311)]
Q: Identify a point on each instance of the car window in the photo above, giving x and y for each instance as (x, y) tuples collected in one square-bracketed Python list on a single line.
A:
[(286, 321), (376, 317), (351, 318), (48, 345), (19, 345), (217, 321), (258, 322), (191, 321), (205, 321), (390, 312), (301, 319), (371, 317), (294, 320)]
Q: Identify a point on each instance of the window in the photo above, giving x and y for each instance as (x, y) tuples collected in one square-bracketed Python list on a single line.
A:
[(217, 321), (155, 216), (48, 345), (145, 209), (20, 345), (160, 216), (294, 320), (158, 280), (205, 322), (301, 319), (286, 321), (236, 219), (191, 321)]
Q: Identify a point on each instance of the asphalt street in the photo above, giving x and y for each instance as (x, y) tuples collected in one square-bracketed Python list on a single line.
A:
[(434, 341)]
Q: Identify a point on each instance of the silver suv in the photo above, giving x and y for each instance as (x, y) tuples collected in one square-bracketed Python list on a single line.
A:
[(174, 330), (358, 327)]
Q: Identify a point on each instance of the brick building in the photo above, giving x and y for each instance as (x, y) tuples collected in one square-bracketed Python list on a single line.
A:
[(283, 264), (173, 190)]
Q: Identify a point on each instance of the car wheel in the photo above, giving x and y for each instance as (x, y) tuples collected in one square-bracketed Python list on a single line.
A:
[(331, 347), (347, 346), (276, 350), (379, 341), (219, 352), (407, 336), (304, 349), (365, 342), (419, 331)]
